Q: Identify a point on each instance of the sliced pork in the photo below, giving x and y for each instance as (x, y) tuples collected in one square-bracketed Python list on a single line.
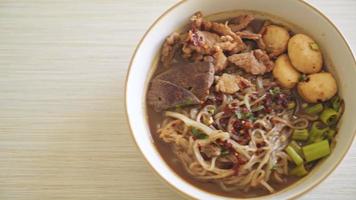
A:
[(255, 62)]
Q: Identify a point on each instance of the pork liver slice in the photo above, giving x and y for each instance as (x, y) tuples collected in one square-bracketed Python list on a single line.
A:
[(163, 95), (196, 77)]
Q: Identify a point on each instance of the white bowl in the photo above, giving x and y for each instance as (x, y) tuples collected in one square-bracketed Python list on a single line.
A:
[(338, 55)]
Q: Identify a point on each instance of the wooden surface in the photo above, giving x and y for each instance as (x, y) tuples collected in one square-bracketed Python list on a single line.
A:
[(63, 132)]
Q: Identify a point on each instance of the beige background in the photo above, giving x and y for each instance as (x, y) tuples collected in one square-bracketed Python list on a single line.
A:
[(63, 133)]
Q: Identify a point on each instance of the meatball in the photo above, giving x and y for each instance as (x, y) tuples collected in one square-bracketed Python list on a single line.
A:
[(285, 73), (304, 54), (276, 39), (317, 87)]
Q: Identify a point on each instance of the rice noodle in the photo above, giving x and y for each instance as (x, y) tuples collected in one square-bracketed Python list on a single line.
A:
[(277, 177), (209, 167), (259, 166), (258, 100), (247, 102), (299, 123), (264, 151), (190, 122), (259, 82), (267, 186), (193, 113)]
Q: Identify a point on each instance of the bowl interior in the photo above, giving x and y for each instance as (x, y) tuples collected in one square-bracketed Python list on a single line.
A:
[(336, 52)]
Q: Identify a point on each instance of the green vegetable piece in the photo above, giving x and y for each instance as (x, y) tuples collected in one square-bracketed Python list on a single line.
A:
[(238, 114), (211, 110), (314, 46), (224, 152), (294, 155), (261, 107), (291, 105), (187, 102), (318, 139), (275, 90), (316, 151), (250, 116), (198, 134), (336, 103), (296, 147), (329, 116), (245, 115), (300, 134), (304, 105), (330, 133), (274, 167), (303, 77), (299, 171), (207, 120), (317, 131), (315, 109)]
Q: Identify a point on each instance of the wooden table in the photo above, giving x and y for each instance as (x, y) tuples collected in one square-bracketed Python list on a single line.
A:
[(63, 132)]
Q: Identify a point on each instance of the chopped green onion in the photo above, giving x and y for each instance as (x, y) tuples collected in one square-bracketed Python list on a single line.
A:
[(314, 46), (224, 152), (250, 116), (178, 108), (275, 90), (198, 134), (336, 102), (304, 105), (316, 150), (315, 109), (238, 114), (318, 139), (207, 120), (296, 147), (211, 110), (300, 134), (298, 171), (274, 167), (329, 116), (291, 105), (330, 133), (317, 131), (261, 107), (247, 115), (294, 156), (185, 103), (303, 77)]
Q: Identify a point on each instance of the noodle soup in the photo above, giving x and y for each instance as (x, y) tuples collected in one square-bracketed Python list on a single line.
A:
[(242, 107)]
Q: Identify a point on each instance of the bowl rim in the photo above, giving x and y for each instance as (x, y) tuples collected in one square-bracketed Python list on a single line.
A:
[(172, 186)]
